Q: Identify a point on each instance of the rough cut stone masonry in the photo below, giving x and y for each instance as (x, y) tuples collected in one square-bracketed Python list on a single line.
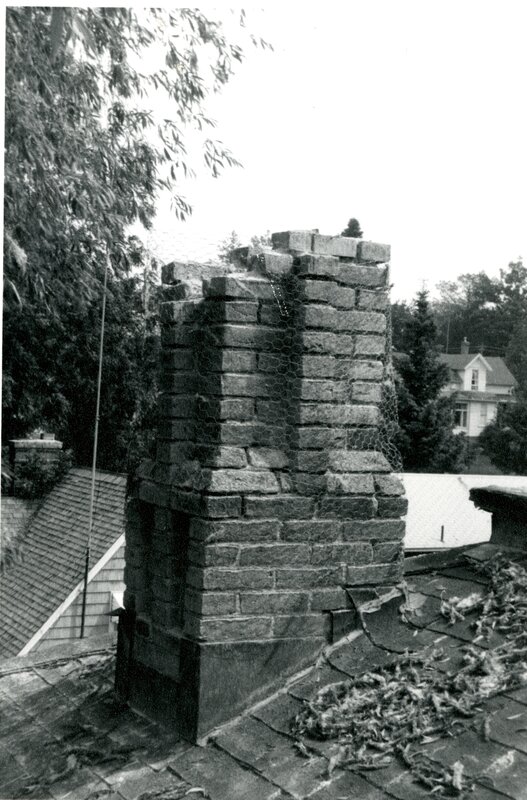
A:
[(269, 495)]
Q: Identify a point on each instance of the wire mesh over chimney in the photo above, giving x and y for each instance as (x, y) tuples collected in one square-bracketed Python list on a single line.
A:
[(272, 491)]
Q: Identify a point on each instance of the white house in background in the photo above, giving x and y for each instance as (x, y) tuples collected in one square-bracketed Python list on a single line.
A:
[(480, 384)]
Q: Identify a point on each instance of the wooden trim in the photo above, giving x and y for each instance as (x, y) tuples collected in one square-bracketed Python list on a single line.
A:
[(71, 597)]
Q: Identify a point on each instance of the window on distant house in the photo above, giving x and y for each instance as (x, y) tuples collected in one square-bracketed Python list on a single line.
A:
[(475, 380), (483, 415), (461, 415)]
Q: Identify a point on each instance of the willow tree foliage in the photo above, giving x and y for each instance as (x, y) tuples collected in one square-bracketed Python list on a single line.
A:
[(101, 104)]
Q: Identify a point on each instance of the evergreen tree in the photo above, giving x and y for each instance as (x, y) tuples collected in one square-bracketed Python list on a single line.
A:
[(425, 440), (353, 229)]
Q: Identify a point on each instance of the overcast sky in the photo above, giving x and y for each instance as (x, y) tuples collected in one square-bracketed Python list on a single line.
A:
[(409, 115)]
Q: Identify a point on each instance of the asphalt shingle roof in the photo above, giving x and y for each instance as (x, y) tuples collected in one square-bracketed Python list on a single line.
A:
[(500, 375), (51, 559)]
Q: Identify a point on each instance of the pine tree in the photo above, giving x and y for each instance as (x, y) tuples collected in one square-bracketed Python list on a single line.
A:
[(426, 440), (353, 229)]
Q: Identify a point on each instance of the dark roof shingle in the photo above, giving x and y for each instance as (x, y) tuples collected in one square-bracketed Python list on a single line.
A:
[(52, 555), (499, 376)]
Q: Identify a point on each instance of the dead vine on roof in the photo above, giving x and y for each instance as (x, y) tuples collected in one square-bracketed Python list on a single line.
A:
[(394, 710)]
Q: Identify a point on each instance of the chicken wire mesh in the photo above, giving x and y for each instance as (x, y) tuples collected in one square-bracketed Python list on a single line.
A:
[(294, 369)]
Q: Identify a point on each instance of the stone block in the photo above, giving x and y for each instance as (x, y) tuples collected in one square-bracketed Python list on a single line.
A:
[(310, 531), (239, 481), (309, 578), (392, 506), (273, 602), (222, 578), (210, 603), (296, 241), (316, 315), (373, 252), (304, 625), (359, 276), (343, 483), (183, 290), (216, 408), (180, 312), (311, 461), (316, 342), (343, 297), (238, 287), (389, 484), (347, 414), (180, 359), (318, 438), (370, 345), (275, 315), (178, 336), (241, 530), (267, 457), (373, 300), (360, 321), (329, 599), (271, 555), (356, 553), (341, 246), (236, 311), (215, 359), (311, 266), (278, 364), (362, 392), (319, 391), (223, 555), (321, 413), (230, 629), (348, 507), (344, 344), (281, 507), (307, 483), (244, 434), (373, 530), (223, 456), (358, 461), (237, 385), (387, 551), (365, 370), (216, 507), (269, 410), (255, 337), (374, 574), (178, 406), (312, 366), (271, 263), (178, 382), (317, 291)]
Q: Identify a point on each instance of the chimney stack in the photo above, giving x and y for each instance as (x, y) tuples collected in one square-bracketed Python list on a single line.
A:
[(465, 344), (271, 493)]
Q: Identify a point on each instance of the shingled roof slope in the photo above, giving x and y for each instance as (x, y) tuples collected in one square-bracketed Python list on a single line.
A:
[(51, 560), (62, 734), (500, 375)]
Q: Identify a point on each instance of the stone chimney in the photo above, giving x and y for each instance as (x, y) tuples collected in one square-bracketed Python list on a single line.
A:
[(465, 344), (271, 492), (40, 442)]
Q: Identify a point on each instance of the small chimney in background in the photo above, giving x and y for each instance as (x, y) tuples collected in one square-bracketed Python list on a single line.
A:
[(39, 441), (465, 344)]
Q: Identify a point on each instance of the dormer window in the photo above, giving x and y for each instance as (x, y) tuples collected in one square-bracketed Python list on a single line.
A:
[(474, 382)]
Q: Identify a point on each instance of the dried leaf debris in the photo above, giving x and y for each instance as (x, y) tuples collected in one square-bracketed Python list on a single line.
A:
[(394, 710)]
